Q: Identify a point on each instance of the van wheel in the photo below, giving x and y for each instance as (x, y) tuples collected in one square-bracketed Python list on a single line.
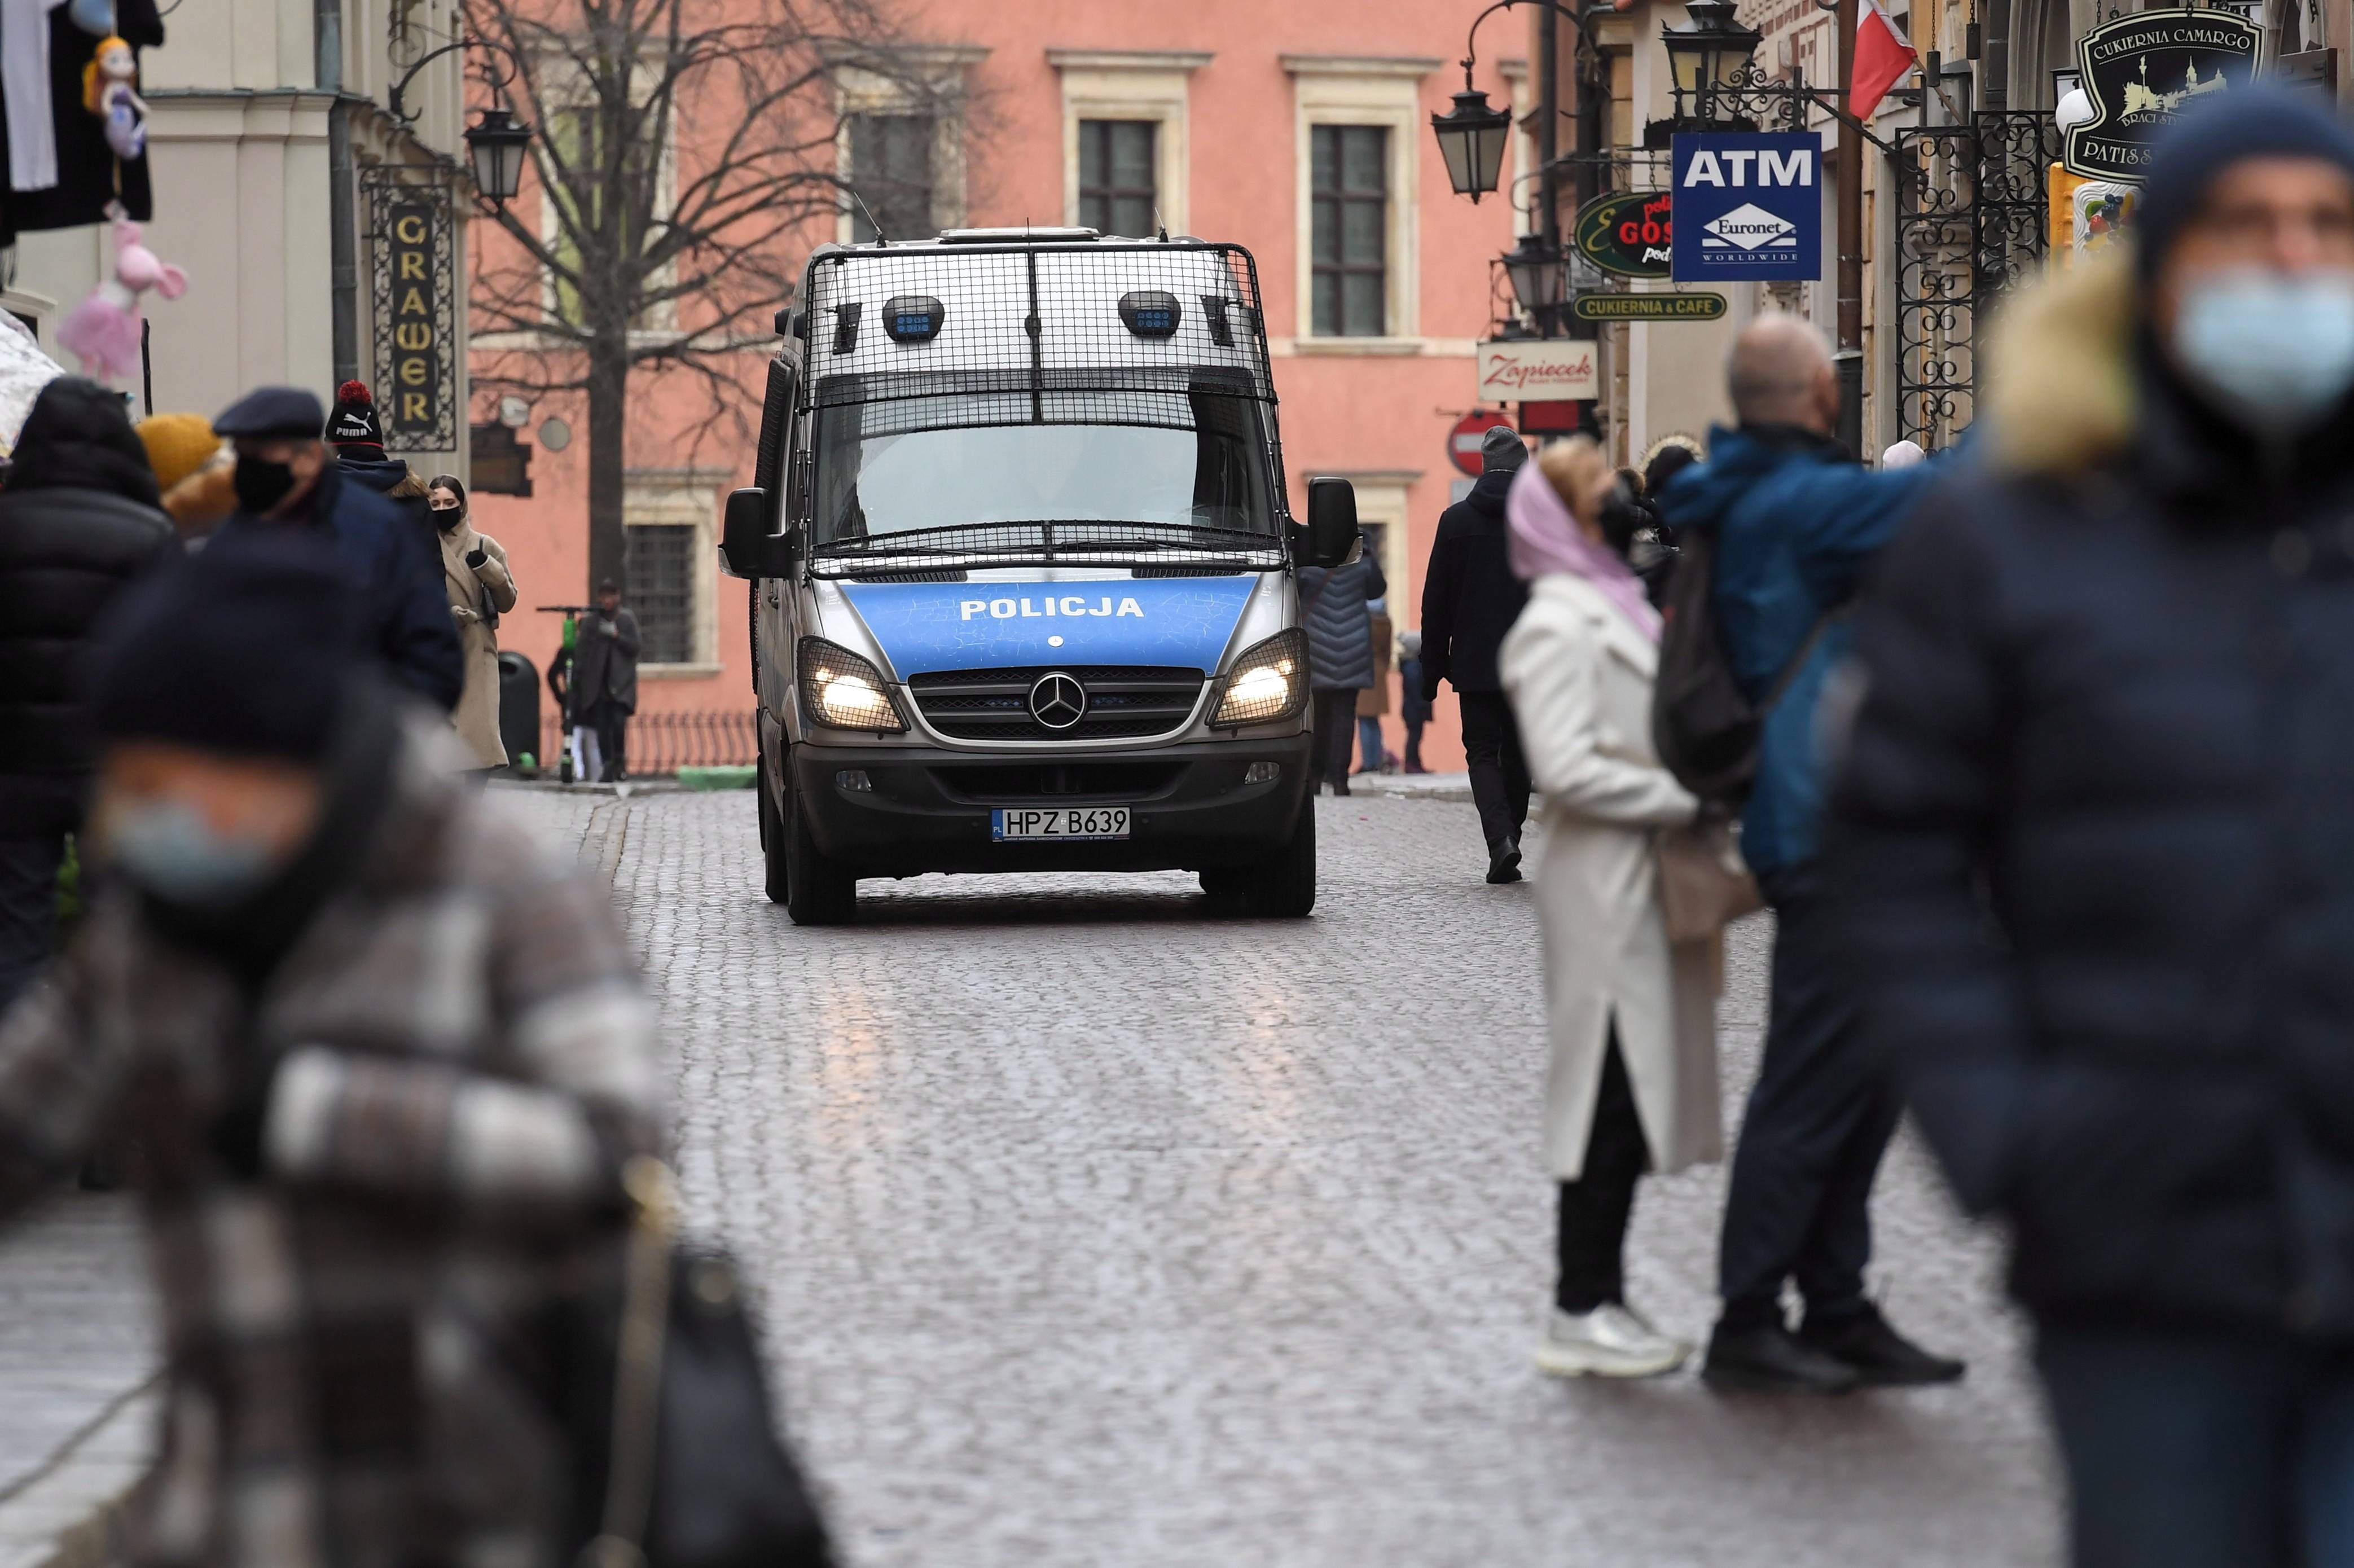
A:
[(772, 839), (1285, 888), (817, 892)]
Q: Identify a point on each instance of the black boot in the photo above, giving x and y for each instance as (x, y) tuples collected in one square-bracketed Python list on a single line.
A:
[(1769, 1359), (1504, 861), (1880, 1355)]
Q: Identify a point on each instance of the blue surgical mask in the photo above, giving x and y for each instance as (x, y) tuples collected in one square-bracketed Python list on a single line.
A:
[(171, 850), (2274, 350)]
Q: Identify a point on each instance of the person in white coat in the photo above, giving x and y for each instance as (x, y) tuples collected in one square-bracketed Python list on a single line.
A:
[(1632, 1082)]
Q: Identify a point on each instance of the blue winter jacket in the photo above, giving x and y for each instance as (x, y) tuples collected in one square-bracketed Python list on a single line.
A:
[(1795, 521)]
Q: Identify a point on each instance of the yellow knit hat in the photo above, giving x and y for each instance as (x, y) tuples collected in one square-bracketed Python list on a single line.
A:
[(178, 445)]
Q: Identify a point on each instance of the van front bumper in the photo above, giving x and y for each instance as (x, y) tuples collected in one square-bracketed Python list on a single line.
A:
[(924, 809)]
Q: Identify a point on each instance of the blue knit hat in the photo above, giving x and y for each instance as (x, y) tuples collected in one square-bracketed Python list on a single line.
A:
[(246, 647), (2245, 122)]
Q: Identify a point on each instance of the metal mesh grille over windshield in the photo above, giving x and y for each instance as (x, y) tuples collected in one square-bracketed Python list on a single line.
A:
[(1023, 325)]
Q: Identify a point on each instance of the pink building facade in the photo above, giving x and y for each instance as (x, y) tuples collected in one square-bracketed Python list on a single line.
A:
[(1299, 131)]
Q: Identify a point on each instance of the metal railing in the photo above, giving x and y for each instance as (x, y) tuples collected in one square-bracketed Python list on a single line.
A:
[(658, 744)]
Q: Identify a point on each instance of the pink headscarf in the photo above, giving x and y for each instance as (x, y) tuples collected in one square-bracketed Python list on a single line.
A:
[(1545, 539)]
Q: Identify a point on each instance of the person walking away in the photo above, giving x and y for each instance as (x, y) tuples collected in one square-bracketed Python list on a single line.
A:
[(381, 1061), (78, 524), (605, 679), (1375, 700), (1414, 704), (286, 482), (2092, 843), (1469, 600), (357, 435), (1335, 605), (474, 574), (1631, 1018), (1794, 522), (195, 469)]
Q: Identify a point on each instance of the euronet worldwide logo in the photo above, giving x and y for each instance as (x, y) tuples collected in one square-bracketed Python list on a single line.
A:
[(1749, 228)]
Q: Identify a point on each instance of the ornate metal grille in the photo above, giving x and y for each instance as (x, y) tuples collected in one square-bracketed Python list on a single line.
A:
[(1971, 223)]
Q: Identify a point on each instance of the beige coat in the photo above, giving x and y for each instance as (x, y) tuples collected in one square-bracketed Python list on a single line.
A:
[(1579, 675), (477, 596)]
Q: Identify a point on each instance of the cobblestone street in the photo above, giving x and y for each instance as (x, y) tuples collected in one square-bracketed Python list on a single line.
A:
[(1095, 1228)]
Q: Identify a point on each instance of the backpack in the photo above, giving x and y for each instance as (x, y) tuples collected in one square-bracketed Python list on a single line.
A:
[(1704, 726)]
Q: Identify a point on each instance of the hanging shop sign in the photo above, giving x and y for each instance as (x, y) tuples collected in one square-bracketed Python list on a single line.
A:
[(1749, 206), (1537, 370), (1696, 305), (413, 300), (2141, 71), (1626, 233)]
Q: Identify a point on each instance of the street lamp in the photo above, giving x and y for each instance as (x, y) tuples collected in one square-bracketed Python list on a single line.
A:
[(496, 142), (1471, 139), (1708, 61), (1534, 269)]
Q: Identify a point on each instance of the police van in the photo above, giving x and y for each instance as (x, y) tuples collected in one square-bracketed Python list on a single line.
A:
[(1023, 572)]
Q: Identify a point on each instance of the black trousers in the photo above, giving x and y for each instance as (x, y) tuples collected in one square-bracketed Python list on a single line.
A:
[(610, 720), (1335, 738), (38, 810), (1592, 1237), (1818, 1120), (1499, 773), (1413, 745)]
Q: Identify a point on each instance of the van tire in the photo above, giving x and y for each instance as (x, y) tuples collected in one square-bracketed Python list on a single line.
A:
[(818, 891), (772, 840), (1285, 888)]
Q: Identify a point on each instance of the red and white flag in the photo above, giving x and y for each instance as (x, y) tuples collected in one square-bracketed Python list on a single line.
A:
[(1884, 57)]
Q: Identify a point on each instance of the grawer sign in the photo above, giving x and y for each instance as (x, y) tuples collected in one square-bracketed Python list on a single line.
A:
[(413, 302), (1748, 206), (2141, 71)]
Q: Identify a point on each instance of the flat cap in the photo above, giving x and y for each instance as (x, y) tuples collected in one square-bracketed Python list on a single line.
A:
[(267, 411)]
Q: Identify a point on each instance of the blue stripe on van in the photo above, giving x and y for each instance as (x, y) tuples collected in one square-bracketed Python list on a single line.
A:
[(1178, 621)]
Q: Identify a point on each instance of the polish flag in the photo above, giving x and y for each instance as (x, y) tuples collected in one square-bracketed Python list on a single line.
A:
[(1884, 57)]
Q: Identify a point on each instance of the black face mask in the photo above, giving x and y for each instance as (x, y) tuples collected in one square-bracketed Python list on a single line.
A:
[(262, 485), (447, 518)]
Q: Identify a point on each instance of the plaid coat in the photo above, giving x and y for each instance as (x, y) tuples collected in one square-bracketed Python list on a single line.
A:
[(358, 1346)]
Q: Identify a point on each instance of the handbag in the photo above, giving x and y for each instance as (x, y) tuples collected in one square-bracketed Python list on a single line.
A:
[(687, 1469), (1703, 884)]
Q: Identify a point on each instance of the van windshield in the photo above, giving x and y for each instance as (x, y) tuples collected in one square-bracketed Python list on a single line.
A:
[(871, 483)]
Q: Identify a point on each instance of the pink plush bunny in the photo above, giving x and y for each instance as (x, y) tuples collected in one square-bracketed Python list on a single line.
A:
[(104, 329)]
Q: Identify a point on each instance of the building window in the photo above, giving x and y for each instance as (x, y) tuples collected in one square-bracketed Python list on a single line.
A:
[(891, 170), (662, 590), (1117, 194), (1348, 188)]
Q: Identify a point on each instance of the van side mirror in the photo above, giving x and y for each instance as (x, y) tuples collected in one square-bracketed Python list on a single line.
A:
[(747, 547), (1332, 521)]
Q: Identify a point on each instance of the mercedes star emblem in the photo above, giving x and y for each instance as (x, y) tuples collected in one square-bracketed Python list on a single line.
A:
[(1058, 701)]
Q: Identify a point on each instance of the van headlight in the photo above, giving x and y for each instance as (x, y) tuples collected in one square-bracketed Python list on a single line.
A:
[(841, 689), (1267, 683)]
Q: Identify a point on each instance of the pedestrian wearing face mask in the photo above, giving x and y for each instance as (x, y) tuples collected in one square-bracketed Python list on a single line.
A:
[(474, 574), (381, 1060), (2093, 844), (285, 479)]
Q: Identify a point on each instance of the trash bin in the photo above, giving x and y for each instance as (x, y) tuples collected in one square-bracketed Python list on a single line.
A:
[(519, 712)]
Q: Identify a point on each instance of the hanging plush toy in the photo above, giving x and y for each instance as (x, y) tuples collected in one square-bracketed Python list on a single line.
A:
[(109, 90), (104, 329)]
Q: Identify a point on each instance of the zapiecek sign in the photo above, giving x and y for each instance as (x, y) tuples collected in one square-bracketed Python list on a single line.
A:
[(1748, 206), (1626, 232), (2141, 71), (1539, 370)]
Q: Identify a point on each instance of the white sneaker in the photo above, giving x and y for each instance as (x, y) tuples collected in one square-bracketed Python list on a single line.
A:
[(1609, 1342)]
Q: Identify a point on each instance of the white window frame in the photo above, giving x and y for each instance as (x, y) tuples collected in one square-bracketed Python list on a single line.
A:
[(1142, 85), (1330, 90), (1523, 200), (858, 91), (688, 497)]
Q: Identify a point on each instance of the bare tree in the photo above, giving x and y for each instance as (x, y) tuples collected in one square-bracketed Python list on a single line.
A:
[(686, 164)]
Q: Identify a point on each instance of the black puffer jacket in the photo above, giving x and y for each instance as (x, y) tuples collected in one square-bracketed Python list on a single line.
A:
[(2095, 834), (77, 520), (1469, 596)]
